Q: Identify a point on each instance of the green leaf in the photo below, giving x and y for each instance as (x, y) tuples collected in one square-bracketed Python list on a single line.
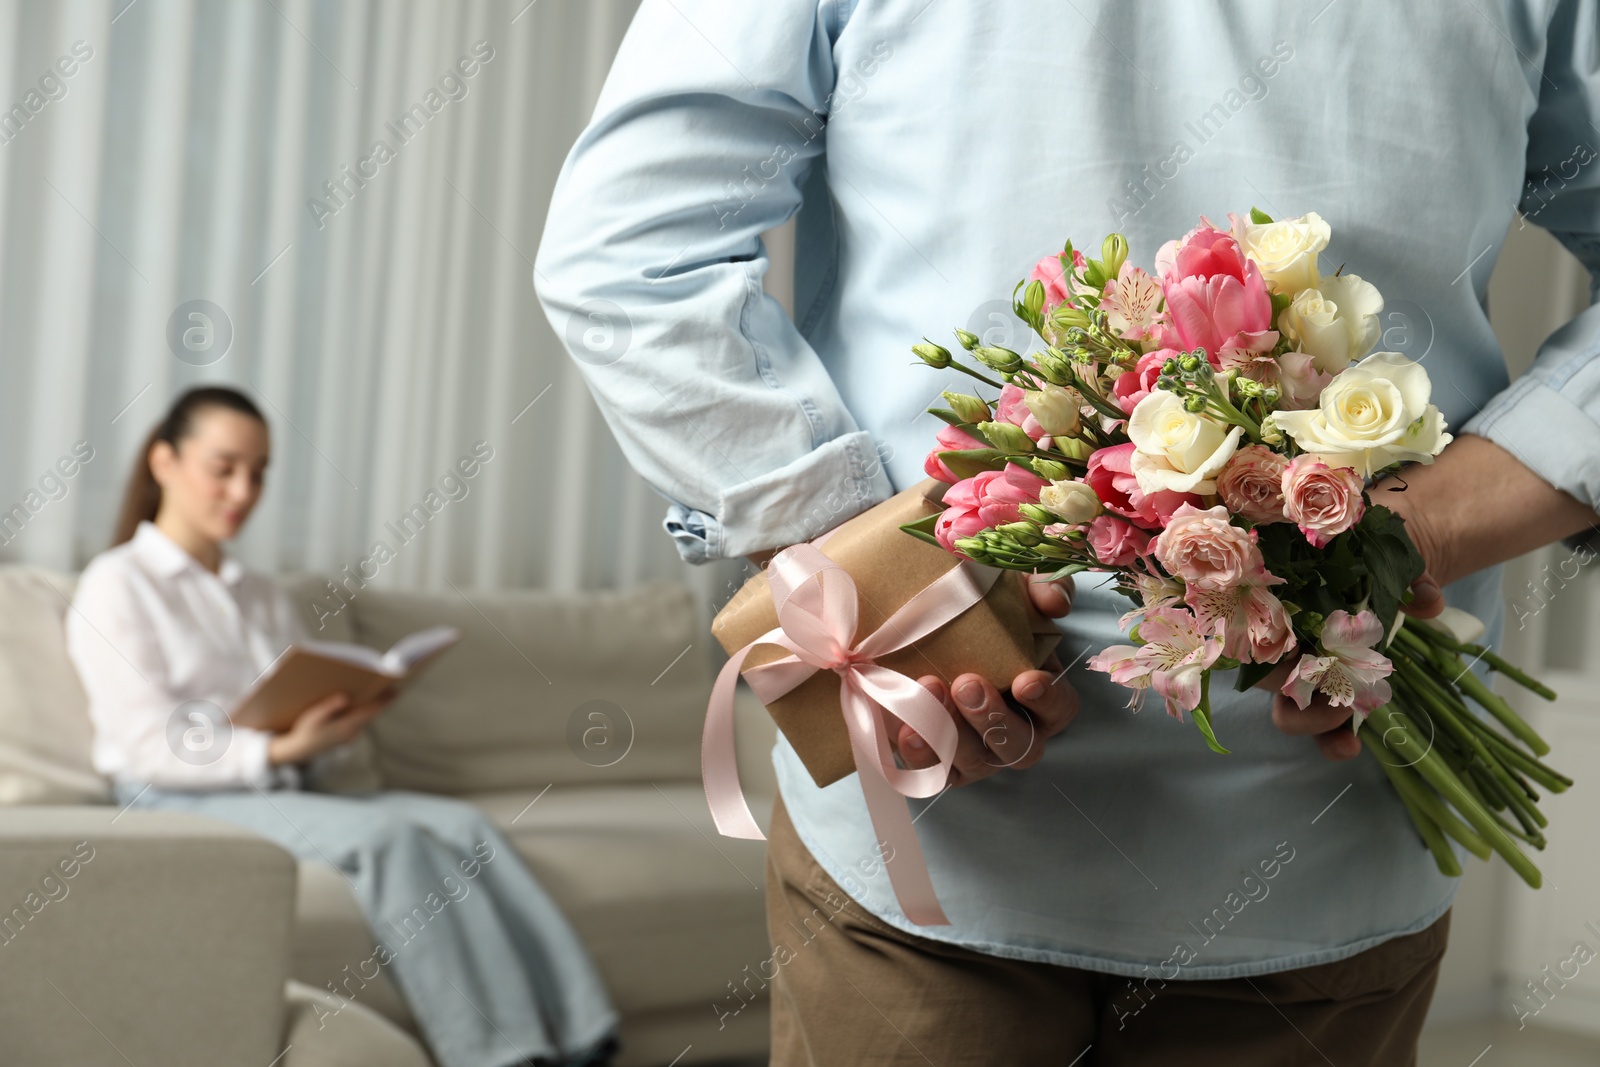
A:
[(922, 529), (1068, 571), (1202, 714), (1259, 217), (1251, 673), (950, 417), (969, 462), (1202, 719)]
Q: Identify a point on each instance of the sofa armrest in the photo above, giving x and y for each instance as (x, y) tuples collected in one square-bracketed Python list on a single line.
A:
[(149, 937)]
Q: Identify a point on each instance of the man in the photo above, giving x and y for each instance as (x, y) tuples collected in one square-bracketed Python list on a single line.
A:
[(1118, 886)]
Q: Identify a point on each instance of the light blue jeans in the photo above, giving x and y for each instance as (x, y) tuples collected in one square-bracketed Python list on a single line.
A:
[(492, 971)]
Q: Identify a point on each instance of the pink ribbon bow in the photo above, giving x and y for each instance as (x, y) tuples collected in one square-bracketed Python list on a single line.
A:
[(816, 601)]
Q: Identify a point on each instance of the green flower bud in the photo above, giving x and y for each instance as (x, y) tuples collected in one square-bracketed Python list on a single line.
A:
[(1170, 366), (1006, 436), (1050, 471), (1247, 387), (968, 408), (1041, 515), (973, 548), (996, 358), (1055, 409), (931, 354), (1025, 534), (1188, 361), (969, 341), (1194, 404), (1114, 252)]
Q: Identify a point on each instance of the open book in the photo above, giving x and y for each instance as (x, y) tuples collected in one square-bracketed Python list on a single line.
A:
[(306, 673)]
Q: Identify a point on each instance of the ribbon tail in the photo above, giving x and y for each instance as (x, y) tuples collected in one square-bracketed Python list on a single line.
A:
[(719, 762), (891, 823)]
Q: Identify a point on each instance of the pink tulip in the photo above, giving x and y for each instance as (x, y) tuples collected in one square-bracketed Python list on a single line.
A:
[(951, 439), (1111, 476), (984, 501)]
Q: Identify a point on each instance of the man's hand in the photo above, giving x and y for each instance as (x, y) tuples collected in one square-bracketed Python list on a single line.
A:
[(992, 731), (1474, 506)]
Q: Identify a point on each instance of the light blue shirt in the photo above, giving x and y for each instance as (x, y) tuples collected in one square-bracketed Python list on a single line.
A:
[(935, 150)]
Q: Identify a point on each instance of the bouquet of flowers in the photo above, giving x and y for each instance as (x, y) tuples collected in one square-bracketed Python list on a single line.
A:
[(1209, 435)]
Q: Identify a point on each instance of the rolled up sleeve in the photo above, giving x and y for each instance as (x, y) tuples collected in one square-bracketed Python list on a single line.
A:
[(651, 265), (1550, 417)]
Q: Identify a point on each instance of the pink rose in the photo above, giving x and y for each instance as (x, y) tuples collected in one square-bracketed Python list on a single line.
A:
[(1134, 385), (984, 501), (1216, 298), (1323, 501), (1012, 407), (1049, 271), (1208, 552), (1116, 542), (951, 439), (1110, 475), (1252, 484)]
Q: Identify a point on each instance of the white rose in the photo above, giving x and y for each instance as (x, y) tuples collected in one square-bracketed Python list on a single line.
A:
[(1074, 502), (1285, 251), (1374, 414), (1055, 408), (1335, 323), (1176, 449)]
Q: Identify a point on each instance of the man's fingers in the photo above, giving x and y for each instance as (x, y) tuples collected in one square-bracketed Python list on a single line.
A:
[(1339, 743), (1427, 601), (996, 736), (1053, 599), (1050, 700), (1317, 717)]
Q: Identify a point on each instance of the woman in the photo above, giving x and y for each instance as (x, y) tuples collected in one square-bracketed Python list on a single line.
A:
[(167, 631)]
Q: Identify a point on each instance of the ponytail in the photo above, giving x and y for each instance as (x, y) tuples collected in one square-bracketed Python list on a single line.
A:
[(141, 500)]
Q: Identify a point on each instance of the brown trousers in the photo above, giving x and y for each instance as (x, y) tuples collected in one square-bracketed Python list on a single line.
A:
[(851, 990)]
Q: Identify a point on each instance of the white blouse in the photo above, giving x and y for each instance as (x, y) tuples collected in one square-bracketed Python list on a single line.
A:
[(164, 648)]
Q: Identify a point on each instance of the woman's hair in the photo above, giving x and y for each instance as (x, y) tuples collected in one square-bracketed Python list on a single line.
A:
[(142, 498)]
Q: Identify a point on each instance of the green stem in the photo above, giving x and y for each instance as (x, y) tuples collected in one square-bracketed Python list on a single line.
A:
[(1488, 655), (1428, 764), (1458, 674), (1429, 830)]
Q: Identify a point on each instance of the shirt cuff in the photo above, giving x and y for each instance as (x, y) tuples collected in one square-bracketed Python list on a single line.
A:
[(797, 502), (254, 766), (1554, 437)]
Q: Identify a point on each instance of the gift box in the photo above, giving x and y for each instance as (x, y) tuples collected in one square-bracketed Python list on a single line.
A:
[(999, 637)]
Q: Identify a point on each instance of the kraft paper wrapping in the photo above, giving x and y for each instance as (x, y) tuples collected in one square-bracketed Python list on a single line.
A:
[(999, 637)]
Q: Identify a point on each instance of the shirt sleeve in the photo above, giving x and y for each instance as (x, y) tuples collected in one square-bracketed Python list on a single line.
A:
[(1550, 417), (114, 646), (651, 265)]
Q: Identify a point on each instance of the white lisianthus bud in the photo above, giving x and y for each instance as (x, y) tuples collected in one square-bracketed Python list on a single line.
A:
[(1270, 434), (1075, 502), (1056, 408)]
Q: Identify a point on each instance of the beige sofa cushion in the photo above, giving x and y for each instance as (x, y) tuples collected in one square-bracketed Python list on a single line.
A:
[(670, 911), (593, 688), (45, 731)]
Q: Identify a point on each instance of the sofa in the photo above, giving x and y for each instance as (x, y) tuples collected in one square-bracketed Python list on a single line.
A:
[(163, 938)]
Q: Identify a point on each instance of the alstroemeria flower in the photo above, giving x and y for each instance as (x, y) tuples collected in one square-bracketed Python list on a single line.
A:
[(1132, 303), (1176, 652), (1350, 672)]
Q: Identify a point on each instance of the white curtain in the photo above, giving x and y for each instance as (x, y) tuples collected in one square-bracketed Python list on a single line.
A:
[(385, 323)]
